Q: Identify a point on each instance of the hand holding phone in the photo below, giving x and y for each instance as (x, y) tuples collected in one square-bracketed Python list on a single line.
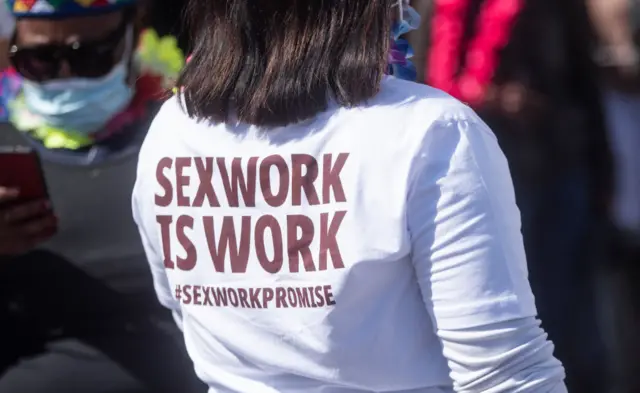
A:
[(26, 215)]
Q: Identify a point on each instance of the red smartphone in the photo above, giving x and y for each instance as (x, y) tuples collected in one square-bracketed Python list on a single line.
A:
[(20, 168)]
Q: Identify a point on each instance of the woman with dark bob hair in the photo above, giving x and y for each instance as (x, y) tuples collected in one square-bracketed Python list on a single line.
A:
[(319, 226)]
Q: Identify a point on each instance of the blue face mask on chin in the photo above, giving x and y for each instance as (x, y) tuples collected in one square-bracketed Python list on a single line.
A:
[(82, 105)]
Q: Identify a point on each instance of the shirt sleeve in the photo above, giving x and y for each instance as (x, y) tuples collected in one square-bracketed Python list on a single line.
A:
[(469, 259), (145, 220)]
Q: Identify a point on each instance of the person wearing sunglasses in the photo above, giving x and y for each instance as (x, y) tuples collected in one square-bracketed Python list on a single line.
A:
[(322, 227), (77, 305)]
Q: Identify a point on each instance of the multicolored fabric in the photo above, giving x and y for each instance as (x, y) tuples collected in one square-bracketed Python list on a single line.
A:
[(63, 8), (401, 52), (400, 64)]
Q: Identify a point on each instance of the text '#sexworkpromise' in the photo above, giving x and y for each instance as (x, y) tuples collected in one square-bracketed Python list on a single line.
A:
[(266, 297)]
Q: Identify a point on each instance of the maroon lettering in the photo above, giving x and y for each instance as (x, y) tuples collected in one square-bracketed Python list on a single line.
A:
[(317, 291), (254, 297), (304, 181), (267, 296), (328, 240), (281, 298), (233, 297), (189, 262), (303, 297), (186, 294), (165, 239), (197, 294), (242, 293), (275, 264), (237, 183), (257, 298), (298, 245), (293, 299), (164, 182), (204, 167), (207, 296), (328, 295), (227, 245), (280, 197), (219, 297), (182, 180), (313, 299), (331, 178)]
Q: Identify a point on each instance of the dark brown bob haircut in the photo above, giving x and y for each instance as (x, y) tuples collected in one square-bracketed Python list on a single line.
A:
[(276, 62)]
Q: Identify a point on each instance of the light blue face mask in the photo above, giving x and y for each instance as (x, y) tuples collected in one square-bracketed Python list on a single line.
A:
[(82, 105)]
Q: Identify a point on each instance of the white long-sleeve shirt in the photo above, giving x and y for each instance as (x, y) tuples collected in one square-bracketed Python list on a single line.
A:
[(372, 249)]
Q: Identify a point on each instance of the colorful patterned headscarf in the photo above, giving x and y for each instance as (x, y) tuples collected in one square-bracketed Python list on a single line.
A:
[(63, 8)]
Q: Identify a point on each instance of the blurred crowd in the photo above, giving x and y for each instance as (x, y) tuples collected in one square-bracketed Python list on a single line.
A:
[(559, 83)]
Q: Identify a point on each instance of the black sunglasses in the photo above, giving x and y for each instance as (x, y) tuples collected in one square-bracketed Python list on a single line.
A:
[(85, 59)]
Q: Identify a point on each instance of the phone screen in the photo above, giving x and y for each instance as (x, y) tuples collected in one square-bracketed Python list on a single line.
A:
[(20, 168)]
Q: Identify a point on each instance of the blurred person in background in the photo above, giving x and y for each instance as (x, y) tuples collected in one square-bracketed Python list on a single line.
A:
[(77, 305), (526, 66), (322, 227), (617, 24)]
